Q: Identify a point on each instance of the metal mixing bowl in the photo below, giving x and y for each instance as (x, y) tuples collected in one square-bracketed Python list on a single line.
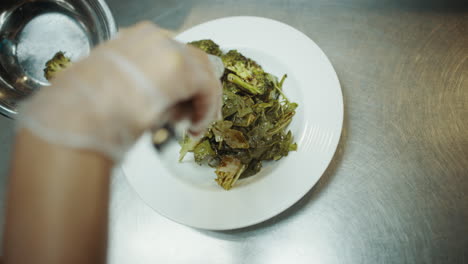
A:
[(33, 31)]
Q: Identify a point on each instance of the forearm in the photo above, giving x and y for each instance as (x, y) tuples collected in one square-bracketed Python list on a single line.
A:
[(58, 195), (57, 204)]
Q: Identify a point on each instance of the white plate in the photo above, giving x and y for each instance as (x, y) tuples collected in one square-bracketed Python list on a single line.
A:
[(188, 194)]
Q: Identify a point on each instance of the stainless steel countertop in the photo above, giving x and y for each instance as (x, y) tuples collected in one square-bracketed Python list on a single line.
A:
[(397, 189)]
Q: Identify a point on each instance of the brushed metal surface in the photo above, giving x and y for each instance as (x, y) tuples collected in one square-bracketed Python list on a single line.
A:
[(397, 189)]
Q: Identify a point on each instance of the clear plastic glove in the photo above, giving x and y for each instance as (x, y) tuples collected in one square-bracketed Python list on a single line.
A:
[(137, 81)]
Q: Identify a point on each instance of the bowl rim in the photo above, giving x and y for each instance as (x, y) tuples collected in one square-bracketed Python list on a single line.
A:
[(8, 106)]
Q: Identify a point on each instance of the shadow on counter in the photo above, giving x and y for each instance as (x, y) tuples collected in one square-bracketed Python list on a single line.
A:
[(456, 6)]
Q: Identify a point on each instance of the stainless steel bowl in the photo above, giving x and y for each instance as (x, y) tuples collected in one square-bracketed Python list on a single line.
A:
[(32, 31)]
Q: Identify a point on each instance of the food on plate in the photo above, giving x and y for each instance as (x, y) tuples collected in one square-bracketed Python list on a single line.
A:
[(57, 63), (255, 118)]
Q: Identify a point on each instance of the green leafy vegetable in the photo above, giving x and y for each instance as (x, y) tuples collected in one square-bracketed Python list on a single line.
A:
[(256, 114), (203, 152), (235, 139), (188, 145)]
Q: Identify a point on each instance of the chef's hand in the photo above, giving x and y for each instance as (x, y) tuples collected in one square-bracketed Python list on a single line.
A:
[(135, 82), (71, 134)]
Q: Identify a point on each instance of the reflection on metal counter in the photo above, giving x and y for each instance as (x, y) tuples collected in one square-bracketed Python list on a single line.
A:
[(396, 189)]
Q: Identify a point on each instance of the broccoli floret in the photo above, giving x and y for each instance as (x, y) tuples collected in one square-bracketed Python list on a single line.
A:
[(256, 114), (253, 78), (58, 63), (240, 65), (208, 46), (243, 84)]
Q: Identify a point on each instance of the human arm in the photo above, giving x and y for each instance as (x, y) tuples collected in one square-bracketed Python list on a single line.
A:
[(72, 133)]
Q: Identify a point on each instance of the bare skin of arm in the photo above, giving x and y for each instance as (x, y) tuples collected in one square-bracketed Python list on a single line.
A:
[(57, 204)]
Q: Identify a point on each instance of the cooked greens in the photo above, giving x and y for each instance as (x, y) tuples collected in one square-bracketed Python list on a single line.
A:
[(58, 63), (256, 114)]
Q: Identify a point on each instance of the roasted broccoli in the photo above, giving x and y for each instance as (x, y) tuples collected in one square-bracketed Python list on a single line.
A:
[(245, 68), (252, 77), (58, 63), (208, 46), (256, 114)]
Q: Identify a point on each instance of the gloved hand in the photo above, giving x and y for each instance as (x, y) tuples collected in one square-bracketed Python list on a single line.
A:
[(135, 82)]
